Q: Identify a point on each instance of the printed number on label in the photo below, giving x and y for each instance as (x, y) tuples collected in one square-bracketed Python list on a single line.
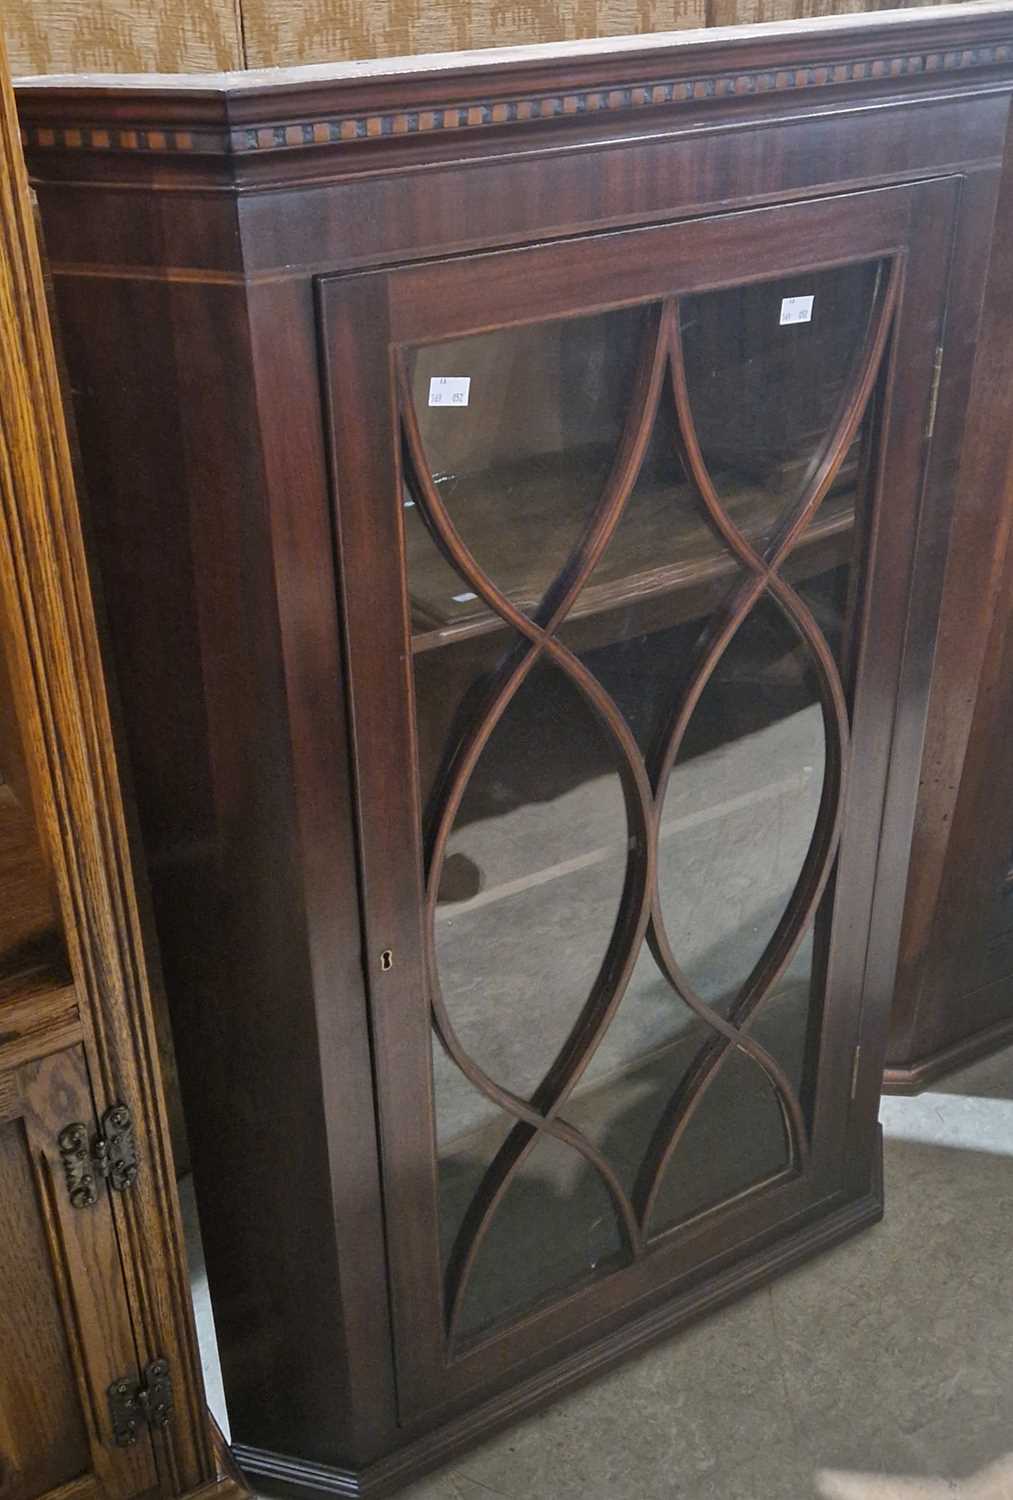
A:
[(796, 309), (449, 390)]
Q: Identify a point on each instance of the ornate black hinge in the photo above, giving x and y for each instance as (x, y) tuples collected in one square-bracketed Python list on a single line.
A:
[(147, 1399), (111, 1156)]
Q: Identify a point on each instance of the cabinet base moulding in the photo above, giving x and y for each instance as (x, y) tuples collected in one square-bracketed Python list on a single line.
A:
[(912, 1078), (230, 1484), (277, 1474)]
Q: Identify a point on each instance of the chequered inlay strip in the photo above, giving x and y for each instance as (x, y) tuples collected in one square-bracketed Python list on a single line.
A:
[(366, 127), (108, 138)]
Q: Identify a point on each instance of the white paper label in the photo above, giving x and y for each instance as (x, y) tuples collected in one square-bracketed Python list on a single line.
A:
[(796, 309), (464, 598), (452, 390)]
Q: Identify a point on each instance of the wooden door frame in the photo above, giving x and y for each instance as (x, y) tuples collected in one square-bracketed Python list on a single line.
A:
[(49, 625)]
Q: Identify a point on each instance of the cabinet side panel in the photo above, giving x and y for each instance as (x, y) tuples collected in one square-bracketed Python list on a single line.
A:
[(117, 341), (973, 591), (161, 374), (966, 982)]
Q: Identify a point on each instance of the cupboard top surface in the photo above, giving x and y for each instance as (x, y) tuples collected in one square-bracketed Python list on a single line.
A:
[(513, 92), (492, 61)]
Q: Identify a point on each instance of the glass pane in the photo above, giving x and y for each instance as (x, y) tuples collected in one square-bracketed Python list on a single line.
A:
[(740, 1106), (555, 1227), (665, 564), (521, 467), (735, 827), (741, 805), (536, 776), (531, 887), (767, 391)]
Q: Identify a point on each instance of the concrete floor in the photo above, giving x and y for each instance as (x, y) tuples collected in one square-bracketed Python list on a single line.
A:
[(881, 1371)]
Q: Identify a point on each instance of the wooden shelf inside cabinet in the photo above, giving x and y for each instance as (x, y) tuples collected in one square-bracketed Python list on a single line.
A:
[(633, 573)]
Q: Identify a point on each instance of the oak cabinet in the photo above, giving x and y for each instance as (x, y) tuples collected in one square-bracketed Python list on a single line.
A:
[(522, 486), (64, 1307), (100, 1388)]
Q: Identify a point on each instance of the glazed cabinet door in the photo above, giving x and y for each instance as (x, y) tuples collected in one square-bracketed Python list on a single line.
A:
[(626, 529), (65, 1331)]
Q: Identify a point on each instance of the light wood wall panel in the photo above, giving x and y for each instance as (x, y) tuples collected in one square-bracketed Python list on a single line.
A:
[(127, 36), (279, 32), (122, 36), (734, 12)]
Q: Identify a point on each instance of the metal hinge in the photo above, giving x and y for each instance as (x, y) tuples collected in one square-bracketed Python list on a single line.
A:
[(134, 1400), (111, 1156), (937, 371)]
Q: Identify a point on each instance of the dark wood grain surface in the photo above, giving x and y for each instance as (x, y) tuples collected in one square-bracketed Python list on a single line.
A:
[(954, 995)]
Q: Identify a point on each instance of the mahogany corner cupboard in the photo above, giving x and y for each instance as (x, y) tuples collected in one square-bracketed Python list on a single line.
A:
[(522, 485)]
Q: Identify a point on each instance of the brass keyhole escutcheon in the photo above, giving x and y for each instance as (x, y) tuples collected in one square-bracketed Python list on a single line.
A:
[(386, 960)]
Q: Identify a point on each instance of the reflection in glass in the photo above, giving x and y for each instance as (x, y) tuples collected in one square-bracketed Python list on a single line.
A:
[(540, 851), (522, 466), (741, 806), (530, 889), (555, 1226), (767, 396)]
